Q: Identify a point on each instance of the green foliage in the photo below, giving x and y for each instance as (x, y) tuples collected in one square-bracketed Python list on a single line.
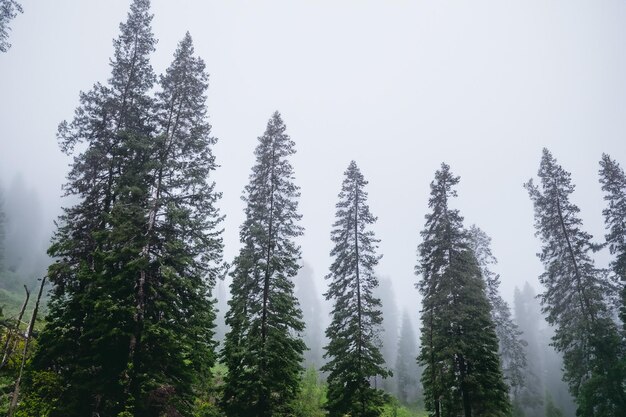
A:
[(311, 397), (459, 346), (551, 409), (130, 328), (263, 349), (207, 409), (353, 349), (393, 408), (613, 182), (208, 393), (45, 390), (575, 298), (10, 302), (511, 347)]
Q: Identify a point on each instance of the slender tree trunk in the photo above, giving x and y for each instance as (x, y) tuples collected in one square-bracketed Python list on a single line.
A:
[(263, 400), (584, 302), (140, 285), (29, 333), (432, 365), (8, 347), (358, 289), (266, 282)]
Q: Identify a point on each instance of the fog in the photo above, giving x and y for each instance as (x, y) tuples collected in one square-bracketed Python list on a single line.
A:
[(397, 86)]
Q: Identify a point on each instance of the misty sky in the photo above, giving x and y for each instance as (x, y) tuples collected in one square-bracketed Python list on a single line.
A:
[(398, 86)]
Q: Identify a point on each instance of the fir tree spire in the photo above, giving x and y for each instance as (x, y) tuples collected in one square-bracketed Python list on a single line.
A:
[(613, 182), (459, 345), (130, 322), (353, 351), (575, 295), (263, 349)]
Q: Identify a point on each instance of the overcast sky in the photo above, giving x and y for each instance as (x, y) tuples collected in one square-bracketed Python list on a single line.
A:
[(398, 86)]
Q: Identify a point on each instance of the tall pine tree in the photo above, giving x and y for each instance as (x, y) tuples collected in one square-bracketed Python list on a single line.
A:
[(574, 299), (171, 348), (353, 350), (613, 182), (86, 339), (263, 349), (511, 345), (130, 323), (459, 349)]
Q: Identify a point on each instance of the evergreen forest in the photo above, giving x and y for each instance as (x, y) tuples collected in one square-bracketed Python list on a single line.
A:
[(134, 309)]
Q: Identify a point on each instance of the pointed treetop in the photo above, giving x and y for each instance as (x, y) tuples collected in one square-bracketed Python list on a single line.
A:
[(442, 185), (186, 44), (275, 124), (353, 171), (132, 49)]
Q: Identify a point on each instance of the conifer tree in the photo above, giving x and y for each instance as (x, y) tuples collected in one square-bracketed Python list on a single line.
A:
[(459, 346), (8, 11), (86, 339), (353, 351), (574, 299), (510, 342), (407, 371), (130, 322), (613, 182), (171, 347), (263, 349)]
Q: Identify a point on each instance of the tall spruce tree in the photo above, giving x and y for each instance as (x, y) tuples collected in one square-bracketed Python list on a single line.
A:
[(510, 342), (171, 348), (613, 182), (353, 350), (263, 349), (130, 322), (574, 299), (90, 321), (459, 346)]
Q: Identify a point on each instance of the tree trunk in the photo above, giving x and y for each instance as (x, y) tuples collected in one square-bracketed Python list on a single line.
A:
[(467, 405), (29, 333)]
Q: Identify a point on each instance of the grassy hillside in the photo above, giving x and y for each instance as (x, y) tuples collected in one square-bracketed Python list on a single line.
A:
[(11, 302)]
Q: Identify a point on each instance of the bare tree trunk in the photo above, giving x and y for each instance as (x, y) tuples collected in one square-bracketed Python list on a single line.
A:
[(29, 333), (8, 347)]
